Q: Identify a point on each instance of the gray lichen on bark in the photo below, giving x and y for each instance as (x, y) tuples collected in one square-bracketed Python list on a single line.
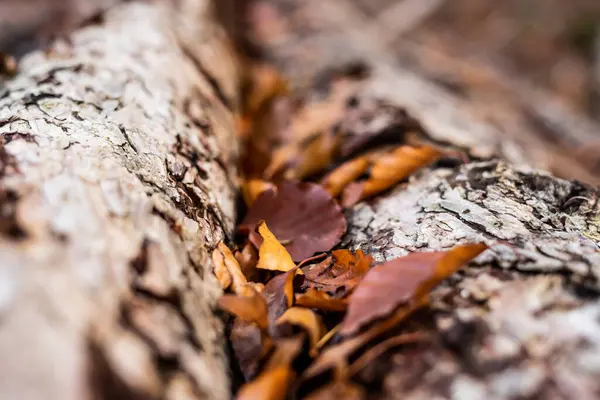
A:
[(522, 320), (117, 168)]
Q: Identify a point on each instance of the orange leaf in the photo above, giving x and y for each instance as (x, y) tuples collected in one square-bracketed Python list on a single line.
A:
[(340, 273), (251, 308), (349, 171), (252, 188), (272, 255), (277, 375), (239, 283), (307, 320), (400, 281), (220, 270), (314, 156), (388, 170), (314, 298), (270, 385)]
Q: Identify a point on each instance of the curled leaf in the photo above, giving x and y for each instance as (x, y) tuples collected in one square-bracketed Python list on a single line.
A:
[(272, 255), (388, 170), (220, 270), (252, 308), (303, 216), (307, 320), (239, 283), (320, 300), (339, 178), (400, 281)]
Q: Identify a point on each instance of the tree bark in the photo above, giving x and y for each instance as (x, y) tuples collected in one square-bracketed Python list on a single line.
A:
[(117, 171), (522, 320)]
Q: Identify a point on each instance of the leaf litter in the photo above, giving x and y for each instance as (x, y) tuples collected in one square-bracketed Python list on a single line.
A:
[(300, 306)]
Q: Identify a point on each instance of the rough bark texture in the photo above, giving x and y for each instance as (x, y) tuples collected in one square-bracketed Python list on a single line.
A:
[(522, 320), (116, 180)]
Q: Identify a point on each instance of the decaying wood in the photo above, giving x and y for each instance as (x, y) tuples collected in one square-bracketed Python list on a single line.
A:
[(117, 164), (522, 320)]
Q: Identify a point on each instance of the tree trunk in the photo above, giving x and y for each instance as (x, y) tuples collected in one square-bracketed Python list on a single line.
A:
[(117, 168), (523, 320)]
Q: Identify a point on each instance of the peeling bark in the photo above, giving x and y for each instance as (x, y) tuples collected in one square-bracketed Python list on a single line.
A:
[(117, 169)]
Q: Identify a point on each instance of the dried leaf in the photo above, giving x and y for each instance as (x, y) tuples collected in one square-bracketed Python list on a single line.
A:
[(220, 270), (376, 351), (339, 274), (286, 351), (248, 259), (303, 216), (252, 188), (239, 283), (279, 294), (306, 158), (264, 82), (339, 390), (320, 300), (388, 170), (249, 346), (251, 308), (337, 356), (277, 375), (307, 320), (336, 180), (400, 281), (272, 384), (272, 255)]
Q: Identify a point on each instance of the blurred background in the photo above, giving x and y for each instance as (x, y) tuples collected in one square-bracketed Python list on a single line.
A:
[(552, 43)]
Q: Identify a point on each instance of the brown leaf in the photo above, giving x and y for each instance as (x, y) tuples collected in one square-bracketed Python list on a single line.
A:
[(339, 390), (336, 180), (252, 188), (272, 384), (248, 259), (303, 216), (304, 159), (249, 346), (279, 294), (277, 375), (239, 283), (400, 281), (286, 351), (252, 308), (374, 352), (388, 170), (337, 356), (320, 300), (340, 273), (307, 320), (272, 255)]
